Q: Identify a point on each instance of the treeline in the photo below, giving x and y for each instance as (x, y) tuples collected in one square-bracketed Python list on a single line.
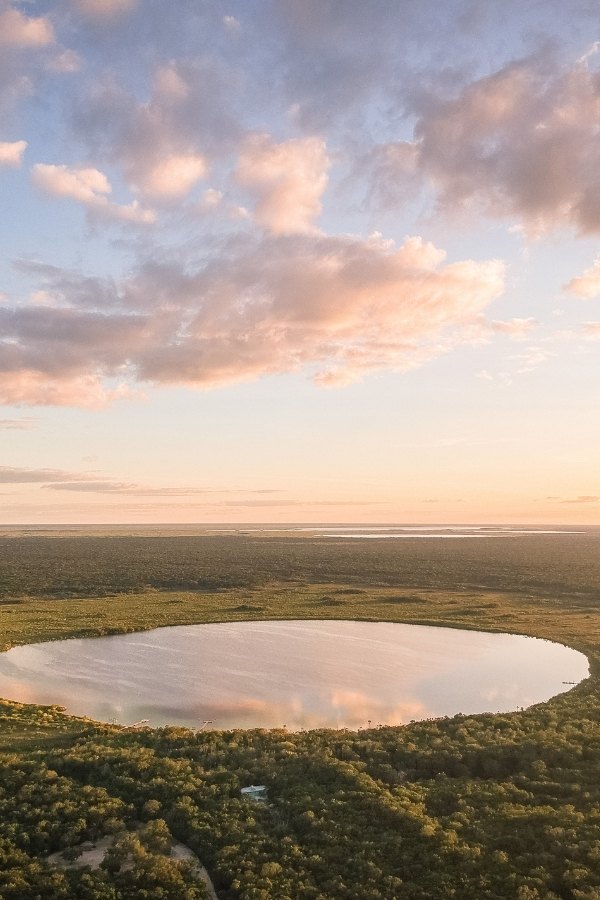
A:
[(504, 806)]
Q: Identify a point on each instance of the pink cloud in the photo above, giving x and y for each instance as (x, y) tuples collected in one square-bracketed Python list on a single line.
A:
[(66, 62), (19, 30), (173, 176), (11, 153), (336, 308), (89, 187), (592, 330), (25, 423), (165, 143), (37, 388), (514, 328), (587, 285), (286, 180), (104, 10)]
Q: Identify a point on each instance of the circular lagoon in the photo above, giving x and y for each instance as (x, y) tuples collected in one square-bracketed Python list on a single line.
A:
[(297, 674)]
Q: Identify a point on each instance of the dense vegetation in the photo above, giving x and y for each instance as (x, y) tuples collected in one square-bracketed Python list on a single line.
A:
[(68, 565), (486, 806)]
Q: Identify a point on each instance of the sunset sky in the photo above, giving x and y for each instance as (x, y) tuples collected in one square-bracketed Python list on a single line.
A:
[(299, 261)]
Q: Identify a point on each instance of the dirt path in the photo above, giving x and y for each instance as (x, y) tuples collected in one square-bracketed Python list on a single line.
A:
[(92, 854)]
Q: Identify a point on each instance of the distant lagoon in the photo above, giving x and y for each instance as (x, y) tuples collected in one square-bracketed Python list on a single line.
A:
[(297, 674), (450, 532)]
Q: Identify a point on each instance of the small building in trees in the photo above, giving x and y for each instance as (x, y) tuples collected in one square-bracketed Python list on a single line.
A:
[(255, 792)]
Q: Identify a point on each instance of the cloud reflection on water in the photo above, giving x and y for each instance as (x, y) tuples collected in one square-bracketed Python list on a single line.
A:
[(299, 674)]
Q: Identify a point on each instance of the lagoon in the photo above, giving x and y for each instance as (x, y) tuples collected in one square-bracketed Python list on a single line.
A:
[(293, 674)]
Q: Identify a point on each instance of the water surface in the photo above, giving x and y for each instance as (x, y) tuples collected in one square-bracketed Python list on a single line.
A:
[(298, 674)]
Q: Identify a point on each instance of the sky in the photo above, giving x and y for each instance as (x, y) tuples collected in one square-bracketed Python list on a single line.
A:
[(299, 261)]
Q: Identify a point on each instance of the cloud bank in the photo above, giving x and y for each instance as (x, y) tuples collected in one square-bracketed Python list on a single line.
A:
[(335, 308)]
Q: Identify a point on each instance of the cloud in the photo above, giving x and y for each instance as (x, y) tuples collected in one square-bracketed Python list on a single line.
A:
[(518, 363), (519, 143), (591, 330), (11, 153), (12, 475), (587, 285), (83, 185), (89, 187), (105, 486), (66, 62), (20, 30), (163, 144), (26, 423), (44, 356), (514, 328), (104, 10), (173, 177), (583, 498), (286, 180), (83, 482), (211, 199), (92, 487), (531, 359), (31, 387), (25, 45), (336, 308)]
